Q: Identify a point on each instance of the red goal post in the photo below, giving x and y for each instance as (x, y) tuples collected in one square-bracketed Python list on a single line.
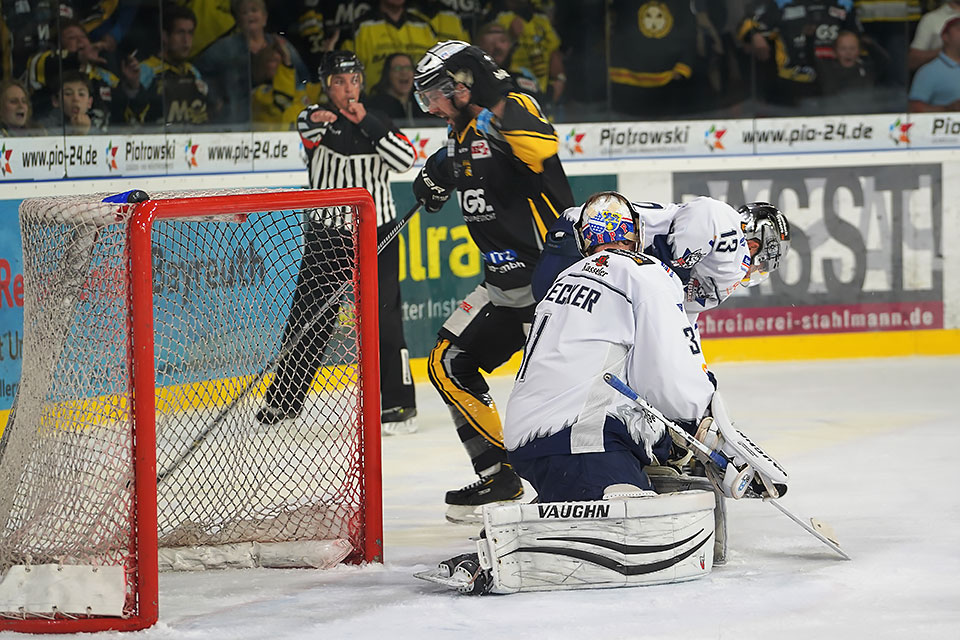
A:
[(151, 331)]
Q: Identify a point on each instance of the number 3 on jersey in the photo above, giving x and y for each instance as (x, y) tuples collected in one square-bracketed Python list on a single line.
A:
[(692, 336)]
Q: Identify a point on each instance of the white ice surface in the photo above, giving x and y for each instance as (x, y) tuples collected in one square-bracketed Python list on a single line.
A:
[(872, 448)]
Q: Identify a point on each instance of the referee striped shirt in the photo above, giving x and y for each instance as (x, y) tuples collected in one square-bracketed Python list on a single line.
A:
[(343, 154)]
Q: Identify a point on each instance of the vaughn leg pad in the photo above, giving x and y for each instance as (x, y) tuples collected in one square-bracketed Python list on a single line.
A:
[(600, 544), (673, 483)]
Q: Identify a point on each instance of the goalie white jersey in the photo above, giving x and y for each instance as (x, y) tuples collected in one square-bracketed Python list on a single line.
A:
[(615, 311)]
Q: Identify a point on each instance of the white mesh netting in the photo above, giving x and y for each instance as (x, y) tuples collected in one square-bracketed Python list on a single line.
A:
[(234, 332)]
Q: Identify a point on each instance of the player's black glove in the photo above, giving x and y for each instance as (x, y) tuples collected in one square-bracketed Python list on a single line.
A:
[(488, 83), (430, 194)]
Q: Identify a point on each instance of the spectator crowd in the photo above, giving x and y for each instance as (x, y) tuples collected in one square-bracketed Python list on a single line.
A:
[(92, 66)]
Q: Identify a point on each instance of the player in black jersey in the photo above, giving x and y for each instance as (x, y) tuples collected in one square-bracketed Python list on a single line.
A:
[(501, 158)]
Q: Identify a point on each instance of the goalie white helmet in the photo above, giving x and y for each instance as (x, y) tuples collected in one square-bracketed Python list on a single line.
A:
[(607, 217), (765, 225)]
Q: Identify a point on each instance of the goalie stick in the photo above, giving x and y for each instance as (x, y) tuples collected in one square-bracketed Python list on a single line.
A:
[(816, 528), (285, 350)]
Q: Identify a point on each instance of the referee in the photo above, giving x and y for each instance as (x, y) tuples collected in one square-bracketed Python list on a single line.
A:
[(347, 146)]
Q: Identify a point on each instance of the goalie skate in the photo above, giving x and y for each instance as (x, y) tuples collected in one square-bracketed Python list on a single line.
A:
[(461, 573)]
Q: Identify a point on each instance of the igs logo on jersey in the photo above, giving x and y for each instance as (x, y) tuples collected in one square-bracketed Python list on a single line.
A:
[(480, 149), (474, 206)]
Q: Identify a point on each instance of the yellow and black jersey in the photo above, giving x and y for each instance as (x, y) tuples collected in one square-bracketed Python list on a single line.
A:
[(214, 20), (43, 76), (181, 93), (511, 188), (93, 14), (787, 25), (447, 25), (276, 105), (311, 24), (535, 44), (377, 36), (307, 35), (661, 38), (25, 30)]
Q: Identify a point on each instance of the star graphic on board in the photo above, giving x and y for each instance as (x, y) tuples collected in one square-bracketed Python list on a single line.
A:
[(900, 132), (573, 140), (190, 154), (420, 145), (111, 156), (713, 137), (5, 160)]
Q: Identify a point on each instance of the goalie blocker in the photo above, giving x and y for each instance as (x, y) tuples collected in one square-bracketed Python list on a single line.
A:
[(650, 539)]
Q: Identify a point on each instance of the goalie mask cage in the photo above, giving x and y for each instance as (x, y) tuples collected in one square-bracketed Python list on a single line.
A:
[(152, 332)]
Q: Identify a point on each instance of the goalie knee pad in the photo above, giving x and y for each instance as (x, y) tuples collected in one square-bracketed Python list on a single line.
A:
[(598, 544)]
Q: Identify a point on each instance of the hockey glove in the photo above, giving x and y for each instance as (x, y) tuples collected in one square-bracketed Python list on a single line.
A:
[(487, 82), (431, 195)]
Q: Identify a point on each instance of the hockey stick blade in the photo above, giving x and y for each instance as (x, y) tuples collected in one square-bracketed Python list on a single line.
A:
[(284, 350), (818, 529)]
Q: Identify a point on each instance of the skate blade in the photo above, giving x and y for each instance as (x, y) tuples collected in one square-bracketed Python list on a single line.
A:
[(455, 582), (434, 576), (461, 514), (403, 428)]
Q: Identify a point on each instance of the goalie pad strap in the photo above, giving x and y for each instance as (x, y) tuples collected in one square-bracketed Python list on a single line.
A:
[(598, 544)]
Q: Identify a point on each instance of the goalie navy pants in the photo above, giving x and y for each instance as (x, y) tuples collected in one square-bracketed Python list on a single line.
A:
[(326, 265), (560, 476)]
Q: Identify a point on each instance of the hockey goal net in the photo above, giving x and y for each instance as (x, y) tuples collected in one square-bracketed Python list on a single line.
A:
[(153, 327)]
